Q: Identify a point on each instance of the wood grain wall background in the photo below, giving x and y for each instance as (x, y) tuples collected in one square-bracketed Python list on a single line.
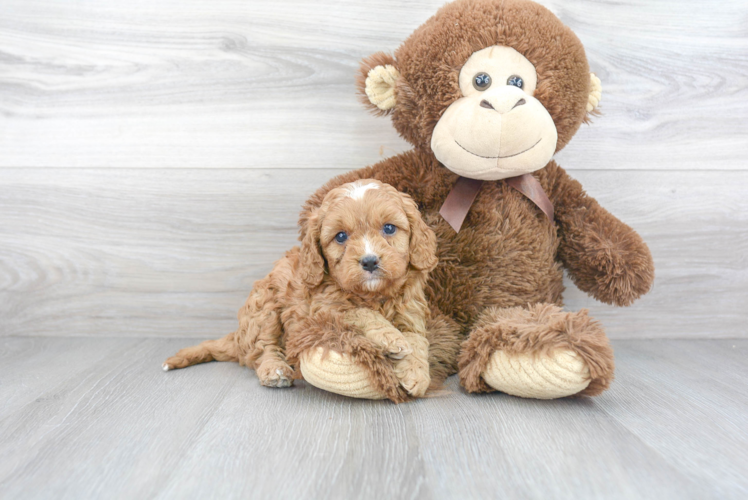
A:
[(154, 154)]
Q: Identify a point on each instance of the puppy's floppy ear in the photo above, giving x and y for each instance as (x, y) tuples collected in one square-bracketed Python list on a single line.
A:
[(312, 261), (422, 238), (377, 81)]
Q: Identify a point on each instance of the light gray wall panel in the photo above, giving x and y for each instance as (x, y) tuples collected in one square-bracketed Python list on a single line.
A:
[(253, 84), (172, 252)]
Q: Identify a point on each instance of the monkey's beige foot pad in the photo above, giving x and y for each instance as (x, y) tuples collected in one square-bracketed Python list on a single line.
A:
[(562, 373), (337, 373)]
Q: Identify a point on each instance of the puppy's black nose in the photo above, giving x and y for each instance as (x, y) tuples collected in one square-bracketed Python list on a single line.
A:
[(369, 263)]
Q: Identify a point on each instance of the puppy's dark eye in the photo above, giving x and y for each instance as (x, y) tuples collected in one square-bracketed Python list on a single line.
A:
[(389, 229), (516, 81), (341, 237), (481, 81)]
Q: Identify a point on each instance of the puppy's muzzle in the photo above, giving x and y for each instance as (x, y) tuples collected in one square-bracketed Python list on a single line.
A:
[(369, 263)]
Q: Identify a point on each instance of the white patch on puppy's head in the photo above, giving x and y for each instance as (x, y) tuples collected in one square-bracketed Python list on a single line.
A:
[(368, 250), (358, 190)]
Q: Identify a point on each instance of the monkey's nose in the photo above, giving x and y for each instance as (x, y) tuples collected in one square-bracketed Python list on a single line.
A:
[(485, 104), (369, 263)]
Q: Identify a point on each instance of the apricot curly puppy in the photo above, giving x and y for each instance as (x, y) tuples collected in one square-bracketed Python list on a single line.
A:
[(356, 285)]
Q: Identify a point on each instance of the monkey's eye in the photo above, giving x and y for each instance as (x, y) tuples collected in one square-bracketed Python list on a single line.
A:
[(341, 237), (516, 81), (389, 229), (481, 81)]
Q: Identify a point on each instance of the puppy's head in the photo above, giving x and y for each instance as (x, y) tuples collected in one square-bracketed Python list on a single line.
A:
[(367, 236)]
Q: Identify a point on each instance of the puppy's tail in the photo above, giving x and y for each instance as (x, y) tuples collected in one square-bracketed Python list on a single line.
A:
[(224, 349)]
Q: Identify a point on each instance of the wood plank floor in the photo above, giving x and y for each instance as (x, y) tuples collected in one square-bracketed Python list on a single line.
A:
[(97, 418)]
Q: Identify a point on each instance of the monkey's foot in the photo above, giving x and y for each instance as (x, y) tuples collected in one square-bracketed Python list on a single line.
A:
[(560, 374), (337, 373), (537, 352)]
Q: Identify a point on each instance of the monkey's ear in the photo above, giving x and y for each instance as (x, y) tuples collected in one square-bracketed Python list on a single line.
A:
[(312, 262), (376, 83), (596, 93)]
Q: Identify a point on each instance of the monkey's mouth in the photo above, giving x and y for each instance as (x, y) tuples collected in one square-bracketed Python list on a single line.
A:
[(499, 157)]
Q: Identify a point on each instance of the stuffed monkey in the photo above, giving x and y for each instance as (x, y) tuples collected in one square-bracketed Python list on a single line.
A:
[(487, 91)]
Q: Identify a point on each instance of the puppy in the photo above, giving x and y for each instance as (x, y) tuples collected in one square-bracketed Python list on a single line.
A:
[(356, 285)]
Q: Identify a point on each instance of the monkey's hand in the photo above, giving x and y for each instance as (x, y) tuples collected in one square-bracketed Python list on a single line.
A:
[(604, 257)]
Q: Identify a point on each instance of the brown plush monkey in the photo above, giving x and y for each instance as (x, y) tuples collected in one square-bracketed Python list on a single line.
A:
[(487, 91)]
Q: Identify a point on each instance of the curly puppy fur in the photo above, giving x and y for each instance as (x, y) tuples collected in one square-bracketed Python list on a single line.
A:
[(325, 294), (507, 256)]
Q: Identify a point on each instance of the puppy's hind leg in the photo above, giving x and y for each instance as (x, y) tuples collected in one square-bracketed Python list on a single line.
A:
[(258, 341), (266, 354), (261, 338), (224, 349)]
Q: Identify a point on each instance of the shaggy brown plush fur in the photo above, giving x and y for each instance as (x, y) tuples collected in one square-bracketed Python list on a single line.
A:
[(429, 62), (538, 329), (323, 295), (500, 278)]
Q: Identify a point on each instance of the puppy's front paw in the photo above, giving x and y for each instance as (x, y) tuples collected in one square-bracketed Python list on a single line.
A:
[(380, 331), (413, 375), (275, 373), (395, 346), (413, 370)]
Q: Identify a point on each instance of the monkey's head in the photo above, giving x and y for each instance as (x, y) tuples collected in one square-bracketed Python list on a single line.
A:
[(493, 87)]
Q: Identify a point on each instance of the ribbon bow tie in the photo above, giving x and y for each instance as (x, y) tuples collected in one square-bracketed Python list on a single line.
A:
[(460, 198)]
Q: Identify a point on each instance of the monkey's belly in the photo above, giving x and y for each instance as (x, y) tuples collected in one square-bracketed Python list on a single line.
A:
[(462, 291)]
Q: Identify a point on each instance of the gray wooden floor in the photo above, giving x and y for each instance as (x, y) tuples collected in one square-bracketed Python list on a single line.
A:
[(97, 418)]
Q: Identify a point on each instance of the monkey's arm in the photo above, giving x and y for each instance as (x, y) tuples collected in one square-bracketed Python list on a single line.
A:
[(604, 256)]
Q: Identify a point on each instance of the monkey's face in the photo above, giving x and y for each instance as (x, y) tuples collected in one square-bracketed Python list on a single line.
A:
[(497, 129), (493, 87)]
